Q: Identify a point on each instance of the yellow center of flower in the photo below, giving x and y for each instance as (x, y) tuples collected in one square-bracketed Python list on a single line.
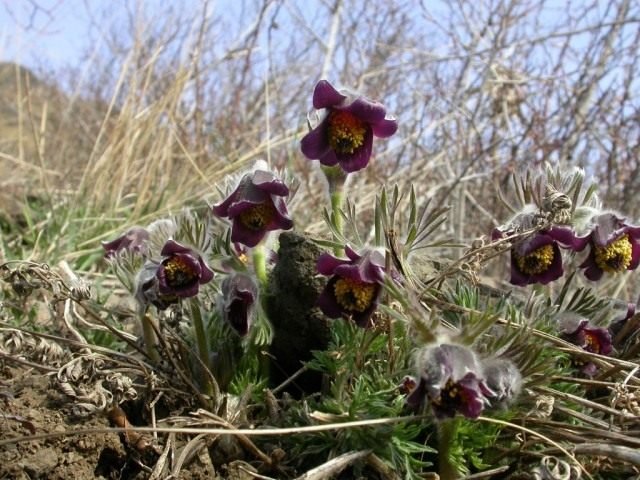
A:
[(346, 131), (178, 273), (450, 393), (258, 216), (536, 262), (353, 295), (592, 344), (616, 256)]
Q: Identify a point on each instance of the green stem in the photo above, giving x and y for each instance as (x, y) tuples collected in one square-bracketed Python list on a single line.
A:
[(260, 264), (336, 214), (149, 336), (446, 438), (203, 351)]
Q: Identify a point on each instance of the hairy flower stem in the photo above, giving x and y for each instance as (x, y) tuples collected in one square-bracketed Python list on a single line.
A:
[(260, 264), (203, 349), (150, 340), (446, 438), (336, 215)]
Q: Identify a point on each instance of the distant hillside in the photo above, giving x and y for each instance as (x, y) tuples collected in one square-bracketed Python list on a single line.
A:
[(17, 85), (32, 111)]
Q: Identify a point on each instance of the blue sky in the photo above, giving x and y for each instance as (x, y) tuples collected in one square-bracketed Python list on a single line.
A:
[(50, 36), (57, 32)]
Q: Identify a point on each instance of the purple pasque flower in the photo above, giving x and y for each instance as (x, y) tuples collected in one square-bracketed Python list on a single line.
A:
[(354, 288), (537, 259), (239, 295), (451, 380), (578, 331), (147, 290), (345, 135), (133, 240), (256, 207), (181, 271), (614, 246)]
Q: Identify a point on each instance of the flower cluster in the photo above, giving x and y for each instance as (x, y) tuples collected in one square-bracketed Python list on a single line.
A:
[(256, 207), (452, 379), (613, 247), (537, 259)]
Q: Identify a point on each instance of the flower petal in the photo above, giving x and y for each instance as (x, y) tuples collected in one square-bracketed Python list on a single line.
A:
[(567, 238), (268, 182), (635, 253), (222, 209), (325, 95), (592, 271), (173, 247), (207, 274), (517, 277), (327, 264), (241, 234), (315, 144), (327, 301), (366, 110), (385, 127), (329, 159), (360, 158)]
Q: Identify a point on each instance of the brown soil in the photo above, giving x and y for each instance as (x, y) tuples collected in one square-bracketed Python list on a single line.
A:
[(30, 406)]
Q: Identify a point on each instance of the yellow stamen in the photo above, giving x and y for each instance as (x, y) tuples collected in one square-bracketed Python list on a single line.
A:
[(592, 344), (536, 262), (178, 273), (346, 131), (450, 392), (353, 295), (616, 256), (258, 216)]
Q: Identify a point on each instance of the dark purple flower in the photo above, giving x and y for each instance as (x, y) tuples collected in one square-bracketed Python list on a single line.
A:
[(451, 380), (614, 245), (181, 271), (134, 240), (147, 291), (256, 207), (354, 287), (239, 295), (345, 134), (591, 339), (537, 259)]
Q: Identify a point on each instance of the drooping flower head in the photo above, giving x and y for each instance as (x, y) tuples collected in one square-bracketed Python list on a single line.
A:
[(345, 135), (614, 246), (537, 259), (451, 380), (256, 207), (354, 288), (134, 240), (504, 379), (239, 295), (147, 290), (181, 271), (578, 331)]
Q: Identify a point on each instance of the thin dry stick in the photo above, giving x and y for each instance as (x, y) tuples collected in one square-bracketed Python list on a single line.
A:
[(224, 431), (330, 46), (334, 466), (538, 435)]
